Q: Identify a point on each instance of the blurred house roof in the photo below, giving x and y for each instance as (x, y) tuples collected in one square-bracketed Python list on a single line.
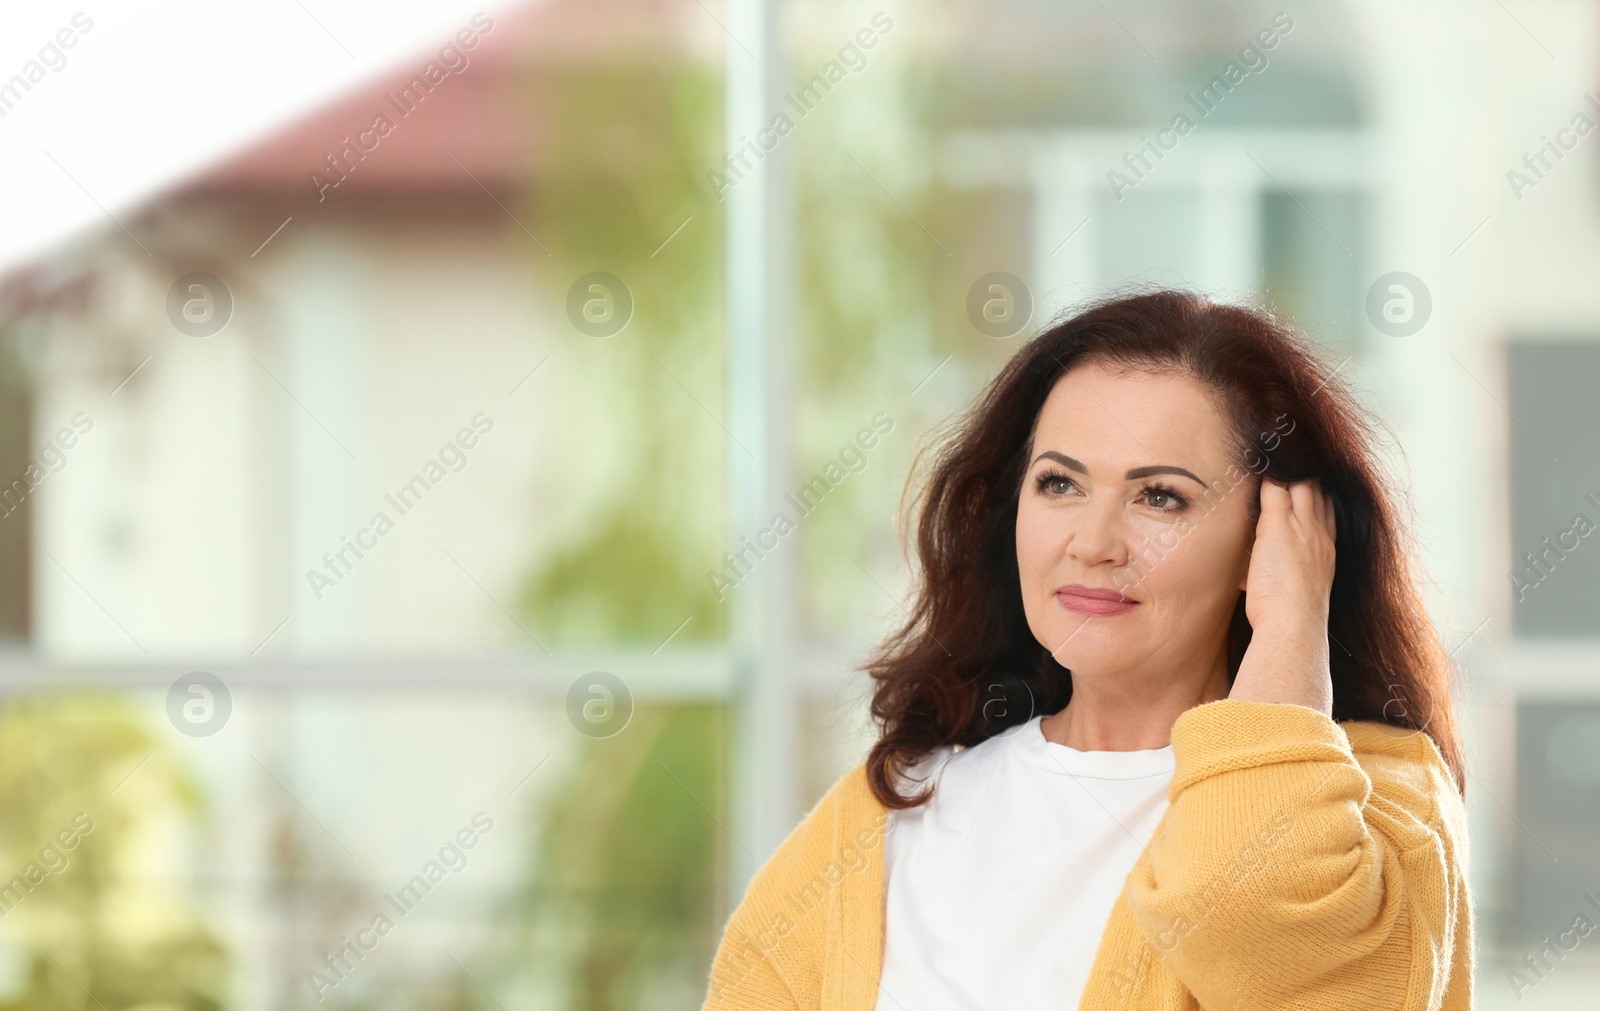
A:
[(475, 123), (475, 128)]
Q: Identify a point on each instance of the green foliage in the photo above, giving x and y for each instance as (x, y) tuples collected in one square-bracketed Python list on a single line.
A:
[(627, 143), (100, 931), (880, 262), (625, 872), (630, 578), (627, 869), (626, 889)]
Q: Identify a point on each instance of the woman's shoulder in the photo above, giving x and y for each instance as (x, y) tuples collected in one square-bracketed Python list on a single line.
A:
[(774, 947), (839, 836), (844, 808), (850, 809), (850, 793)]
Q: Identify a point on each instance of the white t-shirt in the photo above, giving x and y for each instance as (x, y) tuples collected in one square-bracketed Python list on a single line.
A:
[(997, 891)]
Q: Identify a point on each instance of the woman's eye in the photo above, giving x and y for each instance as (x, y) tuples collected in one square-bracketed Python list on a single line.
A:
[(1164, 499), (1054, 484)]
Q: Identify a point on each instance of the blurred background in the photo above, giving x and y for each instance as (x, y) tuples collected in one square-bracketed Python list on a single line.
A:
[(451, 454)]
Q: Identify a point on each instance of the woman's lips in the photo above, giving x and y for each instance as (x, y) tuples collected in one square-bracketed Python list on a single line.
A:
[(1099, 604)]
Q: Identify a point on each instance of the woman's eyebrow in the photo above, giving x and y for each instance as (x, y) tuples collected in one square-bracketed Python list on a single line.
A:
[(1065, 461), (1139, 472), (1132, 475)]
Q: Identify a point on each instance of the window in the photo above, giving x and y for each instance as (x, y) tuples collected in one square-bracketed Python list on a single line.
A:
[(1555, 488)]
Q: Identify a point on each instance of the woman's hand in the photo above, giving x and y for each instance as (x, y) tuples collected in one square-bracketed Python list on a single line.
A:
[(1286, 599), (1291, 562)]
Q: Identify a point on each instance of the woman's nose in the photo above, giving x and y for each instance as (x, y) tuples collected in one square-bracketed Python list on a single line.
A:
[(1098, 537)]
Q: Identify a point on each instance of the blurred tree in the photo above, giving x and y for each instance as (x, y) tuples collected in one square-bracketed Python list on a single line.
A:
[(625, 902), (623, 883), (881, 257), (630, 859), (627, 140), (630, 134), (622, 905), (104, 927)]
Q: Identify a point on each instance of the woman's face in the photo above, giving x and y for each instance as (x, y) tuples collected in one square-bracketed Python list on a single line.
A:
[(1134, 491)]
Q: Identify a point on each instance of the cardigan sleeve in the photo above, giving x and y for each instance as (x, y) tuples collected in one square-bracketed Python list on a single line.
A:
[(1288, 872)]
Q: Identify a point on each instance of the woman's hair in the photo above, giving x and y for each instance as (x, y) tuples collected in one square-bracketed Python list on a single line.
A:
[(965, 666)]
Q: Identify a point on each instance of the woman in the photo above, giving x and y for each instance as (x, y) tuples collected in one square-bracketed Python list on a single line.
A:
[(1168, 726)]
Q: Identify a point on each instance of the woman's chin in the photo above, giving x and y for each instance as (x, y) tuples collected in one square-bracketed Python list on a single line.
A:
[(1089, 644)]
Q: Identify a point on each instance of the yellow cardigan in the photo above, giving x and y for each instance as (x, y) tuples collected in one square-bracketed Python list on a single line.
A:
[(1302, 863)]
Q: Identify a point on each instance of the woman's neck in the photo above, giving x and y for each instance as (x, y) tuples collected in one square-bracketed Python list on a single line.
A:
[(1116, 714)]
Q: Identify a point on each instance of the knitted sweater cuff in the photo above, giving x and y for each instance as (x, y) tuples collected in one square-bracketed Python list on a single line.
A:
[(1231, 734)]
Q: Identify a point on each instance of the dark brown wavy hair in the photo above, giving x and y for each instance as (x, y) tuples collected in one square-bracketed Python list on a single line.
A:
[(965, 666)]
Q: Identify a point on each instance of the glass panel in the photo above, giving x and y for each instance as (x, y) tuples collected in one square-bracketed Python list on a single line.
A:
[(1555, 488), (1312, 253), (24, 467), (379, 452), (1149, 237), (351, 849), (1558, 809)]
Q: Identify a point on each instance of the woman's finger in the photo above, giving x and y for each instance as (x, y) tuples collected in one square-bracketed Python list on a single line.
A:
[(1274, 496), (1303, 495), (1328, 516)]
